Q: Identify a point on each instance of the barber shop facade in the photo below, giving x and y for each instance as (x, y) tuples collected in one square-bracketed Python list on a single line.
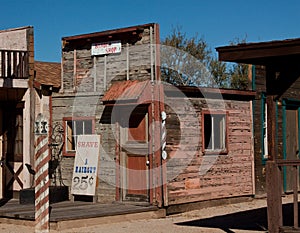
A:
[(159, 144)]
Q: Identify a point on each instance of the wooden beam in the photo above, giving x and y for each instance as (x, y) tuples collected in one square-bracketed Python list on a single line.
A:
[(117, 148), (157, 149), (252, 52), (273, 174), (271, 122), (274, 202)]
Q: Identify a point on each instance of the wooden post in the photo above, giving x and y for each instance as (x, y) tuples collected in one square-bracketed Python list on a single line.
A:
[(157, 149), (273, 177), (42, 181), (274, 202), (118, 165), (295, 189)]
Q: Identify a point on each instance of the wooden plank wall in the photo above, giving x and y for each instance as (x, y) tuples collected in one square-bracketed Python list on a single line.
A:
[(230, 175), (292, 92), (85, 80)]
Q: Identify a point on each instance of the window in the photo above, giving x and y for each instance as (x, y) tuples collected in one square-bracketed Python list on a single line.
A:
[(264, 128), (73, 128), (214, 132)]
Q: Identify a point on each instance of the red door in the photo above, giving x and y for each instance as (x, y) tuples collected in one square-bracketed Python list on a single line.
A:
[(134, 156)]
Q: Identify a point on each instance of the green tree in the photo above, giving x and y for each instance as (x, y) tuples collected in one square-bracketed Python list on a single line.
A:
[(184, 60), (239, 76), (219, 72), (238, 72), (190, 62)]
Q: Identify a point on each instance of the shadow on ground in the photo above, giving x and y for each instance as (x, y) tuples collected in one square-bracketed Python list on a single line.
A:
[(251, 220)]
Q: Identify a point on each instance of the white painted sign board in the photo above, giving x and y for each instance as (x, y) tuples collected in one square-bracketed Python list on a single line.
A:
[(85, 170), (112, 47)]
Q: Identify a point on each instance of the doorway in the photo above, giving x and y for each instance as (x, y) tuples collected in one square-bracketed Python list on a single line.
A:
[(11, 152), (134, 154), (290, 140)]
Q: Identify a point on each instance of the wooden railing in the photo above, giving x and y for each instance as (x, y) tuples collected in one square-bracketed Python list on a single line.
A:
[(295, 174), (14, 64)]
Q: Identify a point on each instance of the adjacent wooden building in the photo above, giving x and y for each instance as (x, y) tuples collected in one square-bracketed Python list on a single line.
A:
[(277, 102), (286, 124), (24, 93), (16, 100)]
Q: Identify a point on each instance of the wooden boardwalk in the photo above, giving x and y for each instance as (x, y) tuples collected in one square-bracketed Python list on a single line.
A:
[(78, 214)]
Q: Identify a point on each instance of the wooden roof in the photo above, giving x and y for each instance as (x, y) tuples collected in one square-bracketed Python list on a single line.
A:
[(127, 91), (261, 53), (131, 34), (108, 33), (47, 73)]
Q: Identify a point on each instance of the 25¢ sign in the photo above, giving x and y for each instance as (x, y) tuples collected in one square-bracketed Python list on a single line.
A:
[(85, 170)]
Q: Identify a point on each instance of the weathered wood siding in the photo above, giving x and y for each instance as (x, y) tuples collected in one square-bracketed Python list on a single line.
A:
[(84, 73), (285, 78), (193, 176), (21, 39), (85, 79), (260, 87)]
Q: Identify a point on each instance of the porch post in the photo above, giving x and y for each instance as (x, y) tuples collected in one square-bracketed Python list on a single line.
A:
[(273, 177), (42, 182), (157, 149), (274, 203)]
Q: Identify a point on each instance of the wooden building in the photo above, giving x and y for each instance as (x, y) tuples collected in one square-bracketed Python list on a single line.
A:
[(91, 64), (286, 122), (209, 144), (24, 92), (17, 98), (278, 104), (159, 144)]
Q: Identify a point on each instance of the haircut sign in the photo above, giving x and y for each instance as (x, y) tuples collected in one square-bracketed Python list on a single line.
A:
[(84, 179)]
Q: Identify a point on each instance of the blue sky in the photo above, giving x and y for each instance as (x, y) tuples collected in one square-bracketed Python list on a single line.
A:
[(218, 22)]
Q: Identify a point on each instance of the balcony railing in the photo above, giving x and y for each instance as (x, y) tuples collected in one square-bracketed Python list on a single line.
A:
[(14, 64)]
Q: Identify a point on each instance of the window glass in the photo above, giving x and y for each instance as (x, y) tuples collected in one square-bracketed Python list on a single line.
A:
[(75, 128), (79, 126), (214, 132), (88, 127)]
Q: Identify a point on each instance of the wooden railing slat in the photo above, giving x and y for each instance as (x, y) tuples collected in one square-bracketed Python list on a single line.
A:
[(295, 163), (295, 192), (9, 70), (3, 63), (287, 162), (15, 63)]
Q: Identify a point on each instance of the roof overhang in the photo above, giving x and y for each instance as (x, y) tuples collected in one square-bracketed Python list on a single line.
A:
[(128, 92), (132, 30), (129, 33), (206, 92), (262, 53)]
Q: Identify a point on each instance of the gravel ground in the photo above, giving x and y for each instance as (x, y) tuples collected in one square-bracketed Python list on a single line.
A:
[(233, 218)]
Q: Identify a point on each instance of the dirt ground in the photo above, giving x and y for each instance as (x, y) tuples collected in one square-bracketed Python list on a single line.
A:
[(233, 218)]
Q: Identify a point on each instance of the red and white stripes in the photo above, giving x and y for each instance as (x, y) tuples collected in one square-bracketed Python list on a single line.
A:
[(163, 136), (42, 183)]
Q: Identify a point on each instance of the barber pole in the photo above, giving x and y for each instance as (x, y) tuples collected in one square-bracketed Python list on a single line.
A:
[(164, 154), (42, 182)]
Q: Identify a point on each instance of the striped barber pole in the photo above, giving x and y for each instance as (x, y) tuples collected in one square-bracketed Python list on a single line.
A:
[(163, 136), (42, 182)]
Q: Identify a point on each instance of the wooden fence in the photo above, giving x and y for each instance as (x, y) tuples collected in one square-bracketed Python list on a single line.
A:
[(274, 182)]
